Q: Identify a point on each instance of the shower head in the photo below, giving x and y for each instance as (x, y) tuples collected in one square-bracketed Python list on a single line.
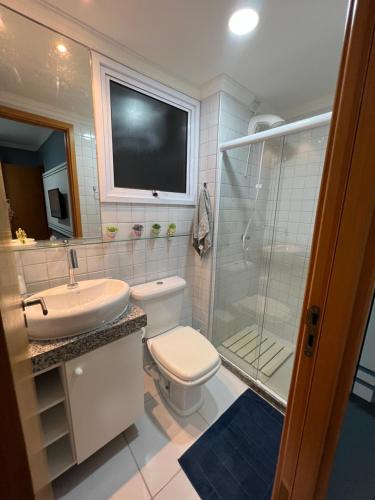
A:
[(258, 123)]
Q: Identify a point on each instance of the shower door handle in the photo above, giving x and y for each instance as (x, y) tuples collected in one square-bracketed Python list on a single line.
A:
[(312, 321)]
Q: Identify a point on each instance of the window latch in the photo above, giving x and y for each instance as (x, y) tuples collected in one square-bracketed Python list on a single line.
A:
[(312, 321), (155, 193)]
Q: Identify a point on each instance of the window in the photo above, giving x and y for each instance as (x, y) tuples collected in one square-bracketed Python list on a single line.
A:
[(147, 137), (149, 141)]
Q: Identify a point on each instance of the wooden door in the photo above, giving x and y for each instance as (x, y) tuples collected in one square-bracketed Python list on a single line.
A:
[(341, 275), (24, 190)]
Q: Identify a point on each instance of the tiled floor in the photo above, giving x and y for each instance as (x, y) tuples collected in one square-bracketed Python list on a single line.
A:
[(142, 463)]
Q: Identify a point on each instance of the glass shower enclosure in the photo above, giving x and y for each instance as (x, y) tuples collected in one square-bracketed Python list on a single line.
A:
[(266, 213)]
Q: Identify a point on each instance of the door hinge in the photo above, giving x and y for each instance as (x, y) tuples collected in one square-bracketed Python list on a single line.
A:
[(312, 321)]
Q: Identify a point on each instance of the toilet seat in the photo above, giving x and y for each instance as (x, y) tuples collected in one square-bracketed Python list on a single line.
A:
[(185, 355)]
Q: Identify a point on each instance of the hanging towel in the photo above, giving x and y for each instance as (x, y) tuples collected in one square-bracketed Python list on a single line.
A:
[(202, 225)]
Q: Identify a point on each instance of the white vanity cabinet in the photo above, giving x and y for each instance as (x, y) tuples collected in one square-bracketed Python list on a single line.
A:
[(105, 392)]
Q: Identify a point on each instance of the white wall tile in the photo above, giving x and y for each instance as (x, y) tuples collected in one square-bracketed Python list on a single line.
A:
[(35, 272), (95, 263), (33, 257), (57, 269)]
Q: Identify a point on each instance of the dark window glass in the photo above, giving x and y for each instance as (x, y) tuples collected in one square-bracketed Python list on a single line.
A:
[(149, 141)]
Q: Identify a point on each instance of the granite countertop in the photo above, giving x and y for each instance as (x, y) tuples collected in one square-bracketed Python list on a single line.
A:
[(46, 353)]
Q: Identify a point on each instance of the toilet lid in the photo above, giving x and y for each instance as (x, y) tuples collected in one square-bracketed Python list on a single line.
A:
[(184, 352)]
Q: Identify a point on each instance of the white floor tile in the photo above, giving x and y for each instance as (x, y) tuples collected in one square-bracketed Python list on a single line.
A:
[(156, 442), (219, 393), (111, 473), (159, 438), (178, 488)]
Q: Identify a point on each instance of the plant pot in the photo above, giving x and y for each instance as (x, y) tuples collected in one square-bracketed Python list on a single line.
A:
[(155, 232), (138, 230), (111, 235)]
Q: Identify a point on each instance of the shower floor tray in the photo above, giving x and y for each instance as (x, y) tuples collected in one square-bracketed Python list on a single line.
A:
[(264, 353)]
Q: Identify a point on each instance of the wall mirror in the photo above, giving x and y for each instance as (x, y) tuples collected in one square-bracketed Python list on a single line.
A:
[(48, 168)]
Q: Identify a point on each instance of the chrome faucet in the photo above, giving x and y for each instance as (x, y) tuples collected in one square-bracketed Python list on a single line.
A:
[(72, 264), (34, 302)]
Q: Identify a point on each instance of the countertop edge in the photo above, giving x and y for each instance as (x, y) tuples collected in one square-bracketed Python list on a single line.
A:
[(45, 354)]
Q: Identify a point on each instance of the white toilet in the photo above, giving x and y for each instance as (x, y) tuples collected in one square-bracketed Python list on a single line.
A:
[(185, 358)]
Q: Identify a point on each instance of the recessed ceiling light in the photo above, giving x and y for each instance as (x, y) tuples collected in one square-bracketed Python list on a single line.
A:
[(243, 21), (61, 48)]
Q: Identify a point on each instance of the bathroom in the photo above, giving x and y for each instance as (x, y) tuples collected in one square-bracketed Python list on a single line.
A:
[(160, 175)]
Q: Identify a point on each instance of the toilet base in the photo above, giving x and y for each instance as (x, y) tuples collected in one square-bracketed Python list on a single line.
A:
[(182, 399)]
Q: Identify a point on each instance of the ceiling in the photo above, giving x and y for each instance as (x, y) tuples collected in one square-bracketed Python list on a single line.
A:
[(31, 67), (22, 135), (289, 60)]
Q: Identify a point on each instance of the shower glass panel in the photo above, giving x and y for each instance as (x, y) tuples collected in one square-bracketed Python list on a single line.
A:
[(268, 197), (249, 181)]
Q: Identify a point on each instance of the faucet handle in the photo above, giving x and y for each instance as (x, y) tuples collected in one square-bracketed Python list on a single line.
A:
[(33, 302)]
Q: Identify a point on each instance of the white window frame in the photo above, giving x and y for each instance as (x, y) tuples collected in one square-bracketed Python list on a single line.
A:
[(105, 70)]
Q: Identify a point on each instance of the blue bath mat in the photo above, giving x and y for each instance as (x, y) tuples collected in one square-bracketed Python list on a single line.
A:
[(235, 459)]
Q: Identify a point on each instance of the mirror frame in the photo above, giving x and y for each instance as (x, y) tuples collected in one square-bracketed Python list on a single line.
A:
[(68, 129)]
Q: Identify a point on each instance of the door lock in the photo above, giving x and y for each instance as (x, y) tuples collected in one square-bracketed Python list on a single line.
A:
[(312, 321)]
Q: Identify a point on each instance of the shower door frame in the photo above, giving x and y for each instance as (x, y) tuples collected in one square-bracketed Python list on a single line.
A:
[(281, 133)]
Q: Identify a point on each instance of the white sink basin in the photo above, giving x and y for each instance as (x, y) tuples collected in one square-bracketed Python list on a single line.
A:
[(72, 311)]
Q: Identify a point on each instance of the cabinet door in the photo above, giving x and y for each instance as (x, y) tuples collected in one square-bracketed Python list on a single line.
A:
[(105, 388)]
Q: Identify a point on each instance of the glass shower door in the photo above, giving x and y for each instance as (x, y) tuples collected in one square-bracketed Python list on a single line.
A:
[(267, 210), (297, 196), (248, 197)]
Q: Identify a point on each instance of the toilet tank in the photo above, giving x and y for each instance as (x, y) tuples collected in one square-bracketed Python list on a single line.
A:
[(162, 302)]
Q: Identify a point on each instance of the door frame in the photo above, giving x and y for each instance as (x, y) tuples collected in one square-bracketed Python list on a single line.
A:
[(341, 273), (68, 129)]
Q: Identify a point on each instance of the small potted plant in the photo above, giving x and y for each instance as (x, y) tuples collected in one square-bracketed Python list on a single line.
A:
[(21, 236), (138, 230), (171, 231), (111, 232), (155, 230)]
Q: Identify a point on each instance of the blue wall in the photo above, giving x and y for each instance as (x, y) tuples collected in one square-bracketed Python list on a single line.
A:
[(19, 156), (52, 152)]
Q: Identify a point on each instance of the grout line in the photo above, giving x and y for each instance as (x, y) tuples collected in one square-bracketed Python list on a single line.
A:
[(166, 484), (136, 463)]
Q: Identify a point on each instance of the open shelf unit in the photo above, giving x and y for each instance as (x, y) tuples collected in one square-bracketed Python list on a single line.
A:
[(56, 428), (49, 389), (60, 457), (54, 424)]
